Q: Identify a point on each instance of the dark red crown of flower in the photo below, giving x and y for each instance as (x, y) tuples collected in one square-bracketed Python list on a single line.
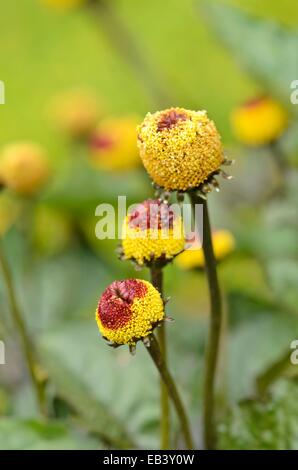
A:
[(170, 119), (114, 308), (152, 214), (101, 141)]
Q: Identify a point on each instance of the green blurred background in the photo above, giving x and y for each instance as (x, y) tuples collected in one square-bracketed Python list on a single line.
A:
[(100, 397)]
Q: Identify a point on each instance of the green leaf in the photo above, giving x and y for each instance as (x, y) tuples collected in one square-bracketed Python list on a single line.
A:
[(263, 425), (92, 412), (254, 345), (16, 434), (266, 49), (114, 393)]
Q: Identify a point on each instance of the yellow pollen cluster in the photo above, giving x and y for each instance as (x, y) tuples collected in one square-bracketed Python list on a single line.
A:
[(146, 312), (152, 244), (259, 122), (181, 154), (223, 245)]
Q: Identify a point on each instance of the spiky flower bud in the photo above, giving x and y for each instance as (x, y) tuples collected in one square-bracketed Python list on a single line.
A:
[(152, 233), (128, 311), (180, 149)]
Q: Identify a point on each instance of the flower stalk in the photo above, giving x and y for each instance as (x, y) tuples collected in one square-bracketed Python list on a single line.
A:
[(157, 281), (20, 325), (157, 357), (212, 351)]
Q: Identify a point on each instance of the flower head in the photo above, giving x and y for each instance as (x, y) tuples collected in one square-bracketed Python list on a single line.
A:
[(24, 167), (75, 112), (259, 121), (223, 245), (180, 149), (152, 233), (63, 4), (128, 311), (113, 145)]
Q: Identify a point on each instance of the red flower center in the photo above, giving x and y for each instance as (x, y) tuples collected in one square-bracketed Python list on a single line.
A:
[(102, 142), (152, 214), (114, 308), (170, 119)]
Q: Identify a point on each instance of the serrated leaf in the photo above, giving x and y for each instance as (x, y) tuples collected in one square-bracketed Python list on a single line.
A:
[(269, 425)]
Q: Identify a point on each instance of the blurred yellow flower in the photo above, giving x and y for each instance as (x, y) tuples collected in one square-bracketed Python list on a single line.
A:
[(52, 230), (75, 112), (63, 4), (128, 311), (180, 149), (223, 245), (113, 145), (259, 122), (9, 211), (152, 233), (24, 167)]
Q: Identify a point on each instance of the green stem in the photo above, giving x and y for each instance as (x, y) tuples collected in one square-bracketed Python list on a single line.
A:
[(124, 43), (157, 282), (212, 351), (274, 372), (281, 165), (155, 353), (22, 331)]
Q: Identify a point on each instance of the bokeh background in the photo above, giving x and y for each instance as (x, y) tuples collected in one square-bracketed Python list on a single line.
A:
[(204, 55)]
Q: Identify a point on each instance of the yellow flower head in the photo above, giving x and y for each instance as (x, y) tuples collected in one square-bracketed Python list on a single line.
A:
[(24, 168), (152, 232), (51, 230), (180, 149), (62, 4), (259, 122), (113, 145), (75, 112), (128, 311), (223, 245)]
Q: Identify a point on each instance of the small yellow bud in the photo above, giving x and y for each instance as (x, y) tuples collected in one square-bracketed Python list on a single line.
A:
[(24, 167), (223, 245), (113, 145), (75, 112), (259, 122)]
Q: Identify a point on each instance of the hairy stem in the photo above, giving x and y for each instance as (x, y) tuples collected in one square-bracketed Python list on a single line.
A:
[(22, 331), (155, 353), (157, 281), (124, 43), (212, 351)]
